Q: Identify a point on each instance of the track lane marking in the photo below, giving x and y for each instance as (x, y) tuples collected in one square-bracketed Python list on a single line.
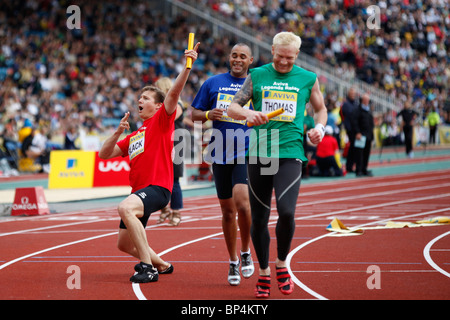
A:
[(295, 250), (112, 233), (141, 296), (426, 254)]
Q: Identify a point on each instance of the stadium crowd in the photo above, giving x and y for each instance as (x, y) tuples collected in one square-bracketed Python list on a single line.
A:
[(62, 78), (408, 56)]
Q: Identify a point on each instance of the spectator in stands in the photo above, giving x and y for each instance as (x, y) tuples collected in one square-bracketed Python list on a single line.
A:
[(9, 132), (389, 132), (34, 147), (349, 106), (433, 120), (71, 75), (363, 125), (384, 59), (332, 117), (408, 117), (327, 153), (446, 112), (70, 138), (25, 131)]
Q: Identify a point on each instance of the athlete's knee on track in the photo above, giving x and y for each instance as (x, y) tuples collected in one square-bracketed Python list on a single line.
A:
[(285, 211), (125, 211), (122, 209), (243, 208), (286, 220), (228, 215)]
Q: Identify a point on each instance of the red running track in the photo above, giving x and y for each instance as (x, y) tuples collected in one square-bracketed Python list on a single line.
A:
[(38, 254)]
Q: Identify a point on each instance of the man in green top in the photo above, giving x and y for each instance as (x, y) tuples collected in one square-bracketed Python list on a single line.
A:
[(276, 152), (433, 120)]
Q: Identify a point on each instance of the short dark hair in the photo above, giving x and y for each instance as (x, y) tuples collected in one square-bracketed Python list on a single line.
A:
[(158, 94), (241, 44)]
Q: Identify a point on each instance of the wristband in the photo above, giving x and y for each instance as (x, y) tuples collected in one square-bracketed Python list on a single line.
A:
[(319, 127), (206, 115)]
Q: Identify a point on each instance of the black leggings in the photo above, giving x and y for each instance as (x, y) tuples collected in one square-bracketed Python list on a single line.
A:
[(286, 182)]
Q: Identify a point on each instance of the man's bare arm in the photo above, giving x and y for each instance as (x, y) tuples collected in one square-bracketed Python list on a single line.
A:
[(110, 149), (171, 100), (320, 114), (236, 110)]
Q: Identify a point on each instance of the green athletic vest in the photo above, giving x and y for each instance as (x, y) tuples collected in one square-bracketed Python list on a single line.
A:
[(282, 136)]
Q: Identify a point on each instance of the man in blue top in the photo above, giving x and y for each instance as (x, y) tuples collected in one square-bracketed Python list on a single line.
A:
[(226, 151)]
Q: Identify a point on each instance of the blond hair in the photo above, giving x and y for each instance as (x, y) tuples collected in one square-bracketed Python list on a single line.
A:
[(164, 84), (287, 38)]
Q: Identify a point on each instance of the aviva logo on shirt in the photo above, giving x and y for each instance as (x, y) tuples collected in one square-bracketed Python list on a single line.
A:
[(280, 95), (225, 97)]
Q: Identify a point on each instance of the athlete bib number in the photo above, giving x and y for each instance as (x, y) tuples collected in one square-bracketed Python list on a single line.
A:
[(223, 102), (273, 100), (136, 145)]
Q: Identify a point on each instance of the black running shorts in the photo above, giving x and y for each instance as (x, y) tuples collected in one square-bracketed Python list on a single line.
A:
[(226, 176), (154, 198)]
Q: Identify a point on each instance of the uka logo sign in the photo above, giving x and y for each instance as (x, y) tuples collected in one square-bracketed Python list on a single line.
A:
[(116, 166)]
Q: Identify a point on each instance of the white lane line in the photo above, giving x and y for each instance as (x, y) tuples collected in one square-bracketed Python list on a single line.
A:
[(112, 233), (55, 247), (295, 250), (141, 296), (71, 243), (136, 287), (426, 254), (50, 227)]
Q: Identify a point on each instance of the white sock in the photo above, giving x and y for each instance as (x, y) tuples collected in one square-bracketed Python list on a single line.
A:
[(248, 252), (234, 262)]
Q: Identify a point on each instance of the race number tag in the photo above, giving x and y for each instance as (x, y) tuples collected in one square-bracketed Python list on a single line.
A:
[(136, 145), (273, 100), (223, 102)]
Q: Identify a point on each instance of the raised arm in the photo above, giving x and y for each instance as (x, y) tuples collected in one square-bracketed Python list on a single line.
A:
[(171, 100)]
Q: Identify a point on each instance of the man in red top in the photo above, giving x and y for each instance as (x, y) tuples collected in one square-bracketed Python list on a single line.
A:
[(326, 154), (151, 176)]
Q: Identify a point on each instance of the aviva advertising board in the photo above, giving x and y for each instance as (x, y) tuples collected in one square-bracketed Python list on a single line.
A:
[(84, 169), (71, 169)]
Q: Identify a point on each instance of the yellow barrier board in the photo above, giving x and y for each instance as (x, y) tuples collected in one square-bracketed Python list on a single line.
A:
[(444, 134), (71, 169)]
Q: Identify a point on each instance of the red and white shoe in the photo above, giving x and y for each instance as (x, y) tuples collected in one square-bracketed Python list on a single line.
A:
[(285, 283)]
